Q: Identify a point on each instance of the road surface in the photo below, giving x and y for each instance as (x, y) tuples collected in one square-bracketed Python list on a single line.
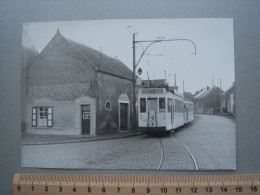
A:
[(208, 143)]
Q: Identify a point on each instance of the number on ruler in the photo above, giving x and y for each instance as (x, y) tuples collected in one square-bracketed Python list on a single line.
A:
[(164, 190), (209, 189), (239, 189), (223, 189), (194, 190), (178, 190), (19, 188), (253, 189)]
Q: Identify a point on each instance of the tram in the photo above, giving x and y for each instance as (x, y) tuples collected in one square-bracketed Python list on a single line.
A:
[(160, 109)]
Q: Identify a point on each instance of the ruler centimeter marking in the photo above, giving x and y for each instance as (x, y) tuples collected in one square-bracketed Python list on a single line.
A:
[(26, 184)]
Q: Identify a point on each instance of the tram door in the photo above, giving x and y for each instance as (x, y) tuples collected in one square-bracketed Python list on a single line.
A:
[(172, 114), (85, 117), (152, 110), (187, 114)]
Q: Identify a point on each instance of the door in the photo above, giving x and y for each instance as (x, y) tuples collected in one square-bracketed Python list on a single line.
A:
[(152, 110), (123, 116), (85, 119), (172, 114)]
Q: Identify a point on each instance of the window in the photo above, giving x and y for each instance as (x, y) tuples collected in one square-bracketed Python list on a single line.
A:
[(108, 105), (169, 104), (49, 123), (161, 104), (142, 105), (178, 106), (42, 117), (34, 117)]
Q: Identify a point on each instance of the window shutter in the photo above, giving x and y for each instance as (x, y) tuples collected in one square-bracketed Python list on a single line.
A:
[(34, 117), (50, 117)]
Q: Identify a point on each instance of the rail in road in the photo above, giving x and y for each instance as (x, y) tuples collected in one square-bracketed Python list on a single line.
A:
[(191, 155), (183, 145)]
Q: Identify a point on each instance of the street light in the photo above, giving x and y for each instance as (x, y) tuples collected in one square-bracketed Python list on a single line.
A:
[(162, 39)]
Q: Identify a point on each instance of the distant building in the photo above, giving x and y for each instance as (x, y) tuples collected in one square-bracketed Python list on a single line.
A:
[(72, 89), (188, 96), (207, 100), (228, 100)]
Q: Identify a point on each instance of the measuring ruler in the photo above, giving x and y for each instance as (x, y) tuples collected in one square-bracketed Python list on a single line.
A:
[(135, 185)]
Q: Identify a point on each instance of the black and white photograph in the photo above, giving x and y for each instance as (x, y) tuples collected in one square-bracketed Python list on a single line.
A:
[(143, 94)]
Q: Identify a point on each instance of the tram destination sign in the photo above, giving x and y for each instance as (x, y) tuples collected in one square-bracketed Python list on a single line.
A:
[(152, 91)]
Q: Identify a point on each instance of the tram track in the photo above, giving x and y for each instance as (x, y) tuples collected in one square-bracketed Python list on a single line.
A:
[(162, 156), (188, 150)]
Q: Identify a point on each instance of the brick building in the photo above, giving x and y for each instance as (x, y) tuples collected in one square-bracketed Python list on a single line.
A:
[(75, 90)]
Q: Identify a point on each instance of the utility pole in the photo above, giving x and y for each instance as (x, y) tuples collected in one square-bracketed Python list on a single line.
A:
[(213, 88), (174, 80), (136, 64), (134, 94), (220, 104), (165, 78)]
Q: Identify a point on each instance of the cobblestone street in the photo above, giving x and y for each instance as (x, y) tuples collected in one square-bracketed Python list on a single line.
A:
[(211, 140)]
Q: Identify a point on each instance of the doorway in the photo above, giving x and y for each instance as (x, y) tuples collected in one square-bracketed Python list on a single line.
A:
[(123, 116), (85, 119), (123, 112)]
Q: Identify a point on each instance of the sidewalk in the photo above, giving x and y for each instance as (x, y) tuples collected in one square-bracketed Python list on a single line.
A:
[(32, 139)]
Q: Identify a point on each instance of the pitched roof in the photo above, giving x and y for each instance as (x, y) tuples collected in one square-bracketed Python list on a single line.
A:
[(230, 90), (204, 92), (101, 61)]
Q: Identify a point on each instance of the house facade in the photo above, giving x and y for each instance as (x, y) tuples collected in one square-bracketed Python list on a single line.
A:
[(228, 100), (75, 90), (207, 100)]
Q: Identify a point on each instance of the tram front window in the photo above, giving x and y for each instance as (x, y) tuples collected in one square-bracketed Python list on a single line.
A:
[(152, 105), (161, 104), (142, 105)]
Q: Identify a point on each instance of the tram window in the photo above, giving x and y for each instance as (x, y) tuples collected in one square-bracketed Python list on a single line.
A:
[(169, 104), (161, 104), (142, 105)]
